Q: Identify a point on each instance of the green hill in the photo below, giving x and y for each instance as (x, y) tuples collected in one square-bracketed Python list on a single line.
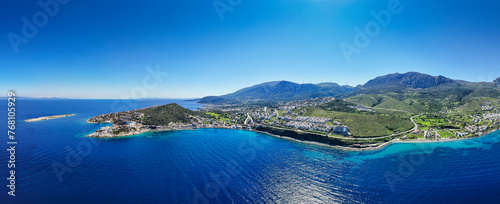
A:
[(363, 124), (165, 114)]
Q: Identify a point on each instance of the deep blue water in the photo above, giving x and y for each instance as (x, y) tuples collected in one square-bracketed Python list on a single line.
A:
[(231, 166)]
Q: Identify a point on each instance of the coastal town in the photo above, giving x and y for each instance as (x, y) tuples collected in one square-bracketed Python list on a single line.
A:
[(292, 116), (226, 116), (458, 127)]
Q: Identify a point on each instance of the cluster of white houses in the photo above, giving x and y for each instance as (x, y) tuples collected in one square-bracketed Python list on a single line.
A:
[(471, 129), (313, 124), (304, 103), (490, 105), (312, 119), (492, 117), (309, 126), (475, 128)]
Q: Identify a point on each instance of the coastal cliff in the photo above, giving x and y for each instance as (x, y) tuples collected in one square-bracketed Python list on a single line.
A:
[(329, 140)]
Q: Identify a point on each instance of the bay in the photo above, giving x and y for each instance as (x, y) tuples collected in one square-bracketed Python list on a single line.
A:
[(229, 166)]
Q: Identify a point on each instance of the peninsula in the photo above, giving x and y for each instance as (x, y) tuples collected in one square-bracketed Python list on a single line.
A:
[(48, 117), (409, 107), (323, 120)]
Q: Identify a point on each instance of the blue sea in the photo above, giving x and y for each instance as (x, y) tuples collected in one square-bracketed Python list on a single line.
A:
[(56, 163)]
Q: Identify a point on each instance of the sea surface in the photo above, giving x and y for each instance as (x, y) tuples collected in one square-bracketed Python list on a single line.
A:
[(56, 163)]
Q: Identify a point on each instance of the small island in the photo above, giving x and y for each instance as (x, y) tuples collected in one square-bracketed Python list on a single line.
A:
[(48, 117)]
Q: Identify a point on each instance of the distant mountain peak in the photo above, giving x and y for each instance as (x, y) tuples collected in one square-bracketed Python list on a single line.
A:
[(497, 81), (409, 79)]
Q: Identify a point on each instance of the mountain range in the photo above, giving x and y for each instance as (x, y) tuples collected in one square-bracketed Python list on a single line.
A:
[(280, 91), (400, 86)]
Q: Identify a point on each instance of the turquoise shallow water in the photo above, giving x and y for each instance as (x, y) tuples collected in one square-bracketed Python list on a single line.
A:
[(233, 166)]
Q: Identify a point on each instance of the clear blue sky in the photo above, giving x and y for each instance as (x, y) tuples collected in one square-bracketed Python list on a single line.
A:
[(99, 49)]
